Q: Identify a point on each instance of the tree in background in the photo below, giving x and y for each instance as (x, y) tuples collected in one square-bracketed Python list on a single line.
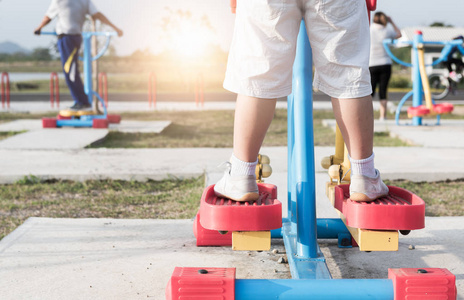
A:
[(440, 24), (41, 54)]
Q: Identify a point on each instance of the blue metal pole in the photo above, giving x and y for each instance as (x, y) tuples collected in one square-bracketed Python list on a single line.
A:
[(87, 62), (327, 289), (417, 84), (326, 229), (290, 175), (304, 148)]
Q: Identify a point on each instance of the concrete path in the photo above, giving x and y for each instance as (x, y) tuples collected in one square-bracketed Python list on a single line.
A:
[(413, 163), (112, 259), (53, 139), (140, 126), (21, 125), (448, 135), (124, 126)]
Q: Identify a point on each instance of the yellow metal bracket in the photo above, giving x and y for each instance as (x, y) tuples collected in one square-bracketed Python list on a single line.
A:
[(251, 240)]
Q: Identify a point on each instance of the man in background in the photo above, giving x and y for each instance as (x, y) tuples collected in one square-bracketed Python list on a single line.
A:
[(71, 17)]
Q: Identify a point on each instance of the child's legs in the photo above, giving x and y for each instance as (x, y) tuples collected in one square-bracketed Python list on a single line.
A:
[(356, 121), (252, 119)]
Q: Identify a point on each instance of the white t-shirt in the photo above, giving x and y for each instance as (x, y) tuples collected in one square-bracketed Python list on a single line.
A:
[(378, 55), (71, 14)]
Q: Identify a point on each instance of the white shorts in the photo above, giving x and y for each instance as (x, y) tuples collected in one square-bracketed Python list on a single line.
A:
[(264, 44)]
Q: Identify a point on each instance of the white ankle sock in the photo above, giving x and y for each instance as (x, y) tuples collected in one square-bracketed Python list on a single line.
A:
[(242, 168), (363, 167)]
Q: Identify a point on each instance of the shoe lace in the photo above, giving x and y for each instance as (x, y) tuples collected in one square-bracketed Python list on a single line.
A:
[(346, 173), (227, 164)]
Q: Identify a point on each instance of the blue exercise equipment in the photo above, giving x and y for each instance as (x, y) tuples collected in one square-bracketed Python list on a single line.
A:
[(418, 109), (86, 120)]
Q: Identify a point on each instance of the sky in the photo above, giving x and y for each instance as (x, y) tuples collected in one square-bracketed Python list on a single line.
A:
[(141, 19)]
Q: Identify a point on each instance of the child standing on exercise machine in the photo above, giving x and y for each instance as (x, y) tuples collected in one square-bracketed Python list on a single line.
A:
[(259, 70)]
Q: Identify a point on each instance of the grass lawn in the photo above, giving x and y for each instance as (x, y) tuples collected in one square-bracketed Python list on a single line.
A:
[(167, 199), (4, 135), (443, 198), (215, 129)]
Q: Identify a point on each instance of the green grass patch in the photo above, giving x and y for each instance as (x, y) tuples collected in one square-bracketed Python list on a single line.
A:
[(167, 199), (443, 198), (7, 116), (215, 129), (383, 139), (5, 135)]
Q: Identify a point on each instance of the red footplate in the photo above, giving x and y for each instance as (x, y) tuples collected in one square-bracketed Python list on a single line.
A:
[(400, 210), (423, 284), (443, 108), (207, 237), (228, 215)]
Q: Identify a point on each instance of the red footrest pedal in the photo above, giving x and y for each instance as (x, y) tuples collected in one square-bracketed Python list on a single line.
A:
[(228, 215), (201, 283), (207, 237), (421, 284), (399, 210), (443, 108)]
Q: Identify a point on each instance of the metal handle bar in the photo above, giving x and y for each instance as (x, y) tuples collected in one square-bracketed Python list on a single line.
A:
[(48, 33), (444, 53), (89, 34), (386, 44), (103, 50)]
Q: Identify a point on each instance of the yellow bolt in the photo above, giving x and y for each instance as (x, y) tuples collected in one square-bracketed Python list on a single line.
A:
[(265, 159), (326, 162), (334, 172), (266, 170)]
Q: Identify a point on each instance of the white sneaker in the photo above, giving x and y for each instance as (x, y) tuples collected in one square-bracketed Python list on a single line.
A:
[(238, 188), (366, 189), (454, 76)]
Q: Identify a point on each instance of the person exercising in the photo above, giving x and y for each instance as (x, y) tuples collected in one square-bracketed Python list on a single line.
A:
[(71, 17)]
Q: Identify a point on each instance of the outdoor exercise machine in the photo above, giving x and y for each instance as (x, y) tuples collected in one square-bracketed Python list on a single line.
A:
[(92, 118), (420, 84), (250, 226)]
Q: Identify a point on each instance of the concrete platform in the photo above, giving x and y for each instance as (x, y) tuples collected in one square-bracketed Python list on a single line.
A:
[(133, 259), (445, 135), (21, 125), (413, 163), (54, 139), (140, 126), (112, 259)]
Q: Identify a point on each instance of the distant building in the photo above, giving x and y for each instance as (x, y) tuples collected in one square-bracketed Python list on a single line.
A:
[(430, 34)]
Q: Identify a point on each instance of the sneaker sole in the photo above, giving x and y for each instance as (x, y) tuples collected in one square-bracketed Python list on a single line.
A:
[(245, 198), (360, 197)]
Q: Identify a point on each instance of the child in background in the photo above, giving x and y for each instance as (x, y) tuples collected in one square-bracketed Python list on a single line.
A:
[(259, 70)]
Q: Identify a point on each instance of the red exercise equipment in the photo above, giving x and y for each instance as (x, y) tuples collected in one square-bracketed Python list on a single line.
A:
[(399, 210), (228, 215), (443, 108), (418, 111)]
